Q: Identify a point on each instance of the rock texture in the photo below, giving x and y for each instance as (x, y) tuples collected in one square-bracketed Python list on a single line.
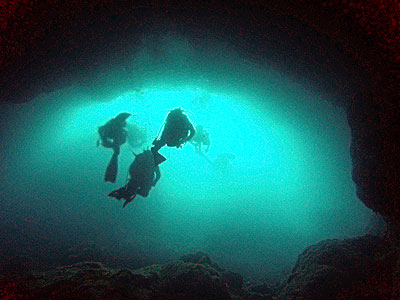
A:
[(373, 118), (359, 268), (352, 269), (192, 277)]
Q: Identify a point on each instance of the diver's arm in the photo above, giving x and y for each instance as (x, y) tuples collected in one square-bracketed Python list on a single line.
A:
[(105, 141), (158, 175)]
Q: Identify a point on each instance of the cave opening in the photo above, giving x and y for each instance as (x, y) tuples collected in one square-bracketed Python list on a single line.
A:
[(287, 186)]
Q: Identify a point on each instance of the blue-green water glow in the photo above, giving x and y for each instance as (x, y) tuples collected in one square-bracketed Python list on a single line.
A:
[(289, 185)]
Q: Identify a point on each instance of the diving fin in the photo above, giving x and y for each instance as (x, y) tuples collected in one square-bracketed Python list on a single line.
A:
[(118, 194), (129, 200), (112, 169), (158, 158)]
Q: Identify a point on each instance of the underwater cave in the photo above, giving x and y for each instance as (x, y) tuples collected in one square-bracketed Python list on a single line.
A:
[(297, 197)]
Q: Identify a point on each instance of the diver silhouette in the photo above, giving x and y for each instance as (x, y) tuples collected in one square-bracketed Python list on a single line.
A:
[(202, 137), (113, 135), (144, 174), (177, 130)]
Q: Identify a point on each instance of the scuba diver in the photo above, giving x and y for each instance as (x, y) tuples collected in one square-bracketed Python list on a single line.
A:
[(202, 137), (144, 174), (177, 130), (113, 135)]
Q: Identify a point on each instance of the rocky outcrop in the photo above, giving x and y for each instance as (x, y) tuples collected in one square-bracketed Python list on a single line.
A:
[(192, 281), (373, 118), (193, 277), (261, 292), (376, 226), (359, 268), (352, 269)]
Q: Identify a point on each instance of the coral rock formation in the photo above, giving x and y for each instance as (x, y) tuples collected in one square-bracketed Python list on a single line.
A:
[(183, 279), (359, 268)]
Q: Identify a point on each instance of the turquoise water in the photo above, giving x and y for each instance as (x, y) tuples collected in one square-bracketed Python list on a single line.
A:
[(288, 186)]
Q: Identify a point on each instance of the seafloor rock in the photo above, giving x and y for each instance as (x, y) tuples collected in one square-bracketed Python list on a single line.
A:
[(193, 281), (376, 226), (258, 296), (92, 280), (359, 268), (233, 280), (261, 291), (199, 258), (260, 288), (84, 280)]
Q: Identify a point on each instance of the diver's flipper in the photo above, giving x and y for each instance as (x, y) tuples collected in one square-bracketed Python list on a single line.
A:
[(118, 194), (112, 169), (129, 200), (158, 158)]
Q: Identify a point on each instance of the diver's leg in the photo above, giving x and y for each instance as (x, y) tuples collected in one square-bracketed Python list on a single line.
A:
[(117, 149), (158, 144), (112, 168), (131, 188)]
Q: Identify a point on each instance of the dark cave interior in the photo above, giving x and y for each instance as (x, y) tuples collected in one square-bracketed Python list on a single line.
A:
[(348, 51)]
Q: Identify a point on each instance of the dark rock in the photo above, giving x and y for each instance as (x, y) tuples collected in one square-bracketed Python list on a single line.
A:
[(376, 226), (126, 277), (373, 118), (200, 258), (193, 281), (359, 268), (233, 280), (264, 289), (152, 271), (257, 296), (197, 258), (17, 265), (92, 280)]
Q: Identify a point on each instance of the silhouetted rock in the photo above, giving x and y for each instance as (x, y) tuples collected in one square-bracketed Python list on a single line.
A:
[(359, 268), (257, 296), (200, 258), (233, 280), (197, 258), (197, 278), (193, 281), (261, 290), (351, 269), (376, 226)]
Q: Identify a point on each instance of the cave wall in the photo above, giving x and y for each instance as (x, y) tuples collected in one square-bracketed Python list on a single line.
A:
[(373, 117), (347, 50)]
